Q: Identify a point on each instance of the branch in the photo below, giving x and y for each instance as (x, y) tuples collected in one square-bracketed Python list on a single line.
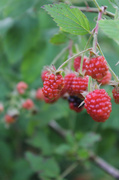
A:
[(56, 127), (105, 166), (93, 10), (97, 160)]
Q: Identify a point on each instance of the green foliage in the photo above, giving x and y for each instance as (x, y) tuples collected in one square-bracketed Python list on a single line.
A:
[(29, 39), (59, 38), (110, 28), (69, 20), (115, 3), (47, 167)]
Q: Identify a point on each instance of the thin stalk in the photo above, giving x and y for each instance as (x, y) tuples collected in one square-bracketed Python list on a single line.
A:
[(116, 14), (81, 66), (113, 73), (96, 4), (89, 83), (69, 169), (94, 10), (59, 55), (73, 58)]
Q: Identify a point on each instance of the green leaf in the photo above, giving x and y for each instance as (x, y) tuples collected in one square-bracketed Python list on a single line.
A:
[(32, 62), (40, 140), (69, 20), (22, 36), (59, 38), (110, 28), (19, 167), (83, 153), (62, 149), (5, 24), (89, 139), (47, 166), (115, 3), (35, 161)]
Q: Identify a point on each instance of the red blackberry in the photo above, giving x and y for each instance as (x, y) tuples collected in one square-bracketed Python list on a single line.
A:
[(9, 119), (115, 93), (52, 86), (75, 102), (68, 83), (21, 87), (79, 84), (106, 79), (39, 94), (77, 63), (28, 104), (98, 105), (43, 74), (96, 67)]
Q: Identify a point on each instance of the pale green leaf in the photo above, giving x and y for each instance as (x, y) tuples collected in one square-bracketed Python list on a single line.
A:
[(115, 3), (69, 20), (110, 28), (5, 24), (89, 139)]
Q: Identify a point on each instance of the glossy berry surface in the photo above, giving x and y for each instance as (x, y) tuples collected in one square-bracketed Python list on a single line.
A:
[(28, 104), (106, 79), (43, 74), (79, 84), (98, 105), (68, 80), (52, 86), (96, 67), (77, 63), (115, 93), (75, 102), (21, 87)]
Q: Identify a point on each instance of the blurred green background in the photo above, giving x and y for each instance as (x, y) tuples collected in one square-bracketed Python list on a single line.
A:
[(29, 149)]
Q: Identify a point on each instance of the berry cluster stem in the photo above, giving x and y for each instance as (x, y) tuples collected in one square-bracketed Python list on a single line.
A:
[(101, 11), (96, 4), (59, 55), (81, 66), (73, 58), (89, 83)]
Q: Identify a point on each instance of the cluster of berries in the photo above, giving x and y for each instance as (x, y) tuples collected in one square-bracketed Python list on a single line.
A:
[(74, 87)]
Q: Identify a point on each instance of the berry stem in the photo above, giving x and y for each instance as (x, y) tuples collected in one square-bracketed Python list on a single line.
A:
[(70, 53), (94, 10), (81, 66), (73, 58), (113, 73), (59, 55), (89, 83), (97, 5), (95, 31)]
